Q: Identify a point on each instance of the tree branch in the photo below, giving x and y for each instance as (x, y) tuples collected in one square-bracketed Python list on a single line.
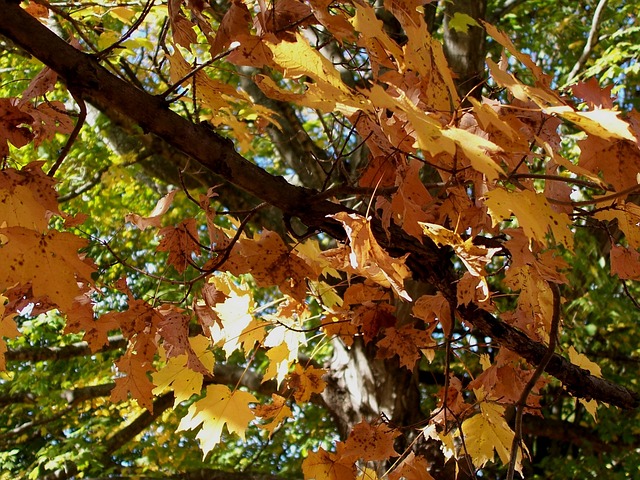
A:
[(592, 40), (85, 76)]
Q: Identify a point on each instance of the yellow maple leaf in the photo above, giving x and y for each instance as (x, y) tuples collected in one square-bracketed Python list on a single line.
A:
[(18, 207), (534, 215), (218, 408), (179, 377), (602, 123), (475, 149), (49, 261), (487, 432), (279, 361), (239, 328)]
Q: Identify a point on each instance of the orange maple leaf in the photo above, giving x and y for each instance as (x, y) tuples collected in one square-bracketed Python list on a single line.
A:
[(270, 262), (135, 381), (412, 467), (406, 342), (181, 242), (48, 261), (323, 465), (369, 259), (371, 442), (305, 382), (277, 412)]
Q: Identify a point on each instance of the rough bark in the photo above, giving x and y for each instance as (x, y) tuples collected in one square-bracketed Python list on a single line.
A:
[(465, 51)]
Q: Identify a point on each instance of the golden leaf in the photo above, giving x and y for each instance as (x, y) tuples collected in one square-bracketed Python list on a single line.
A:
[(218, 408)]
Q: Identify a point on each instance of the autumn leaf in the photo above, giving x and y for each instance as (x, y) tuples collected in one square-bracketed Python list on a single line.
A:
[(177, 375), (12, 129), (488, 432), (8, 329), (534, 215), (134, 380), (181, 242), (81, 318), (371, 442), (239, 328), (434, 308), (601, 123), (27, 197), (277, 412), (323, 465), (407, 342), (270, 262), (305, 382), (218, 408), (368, 258), (155, 217), (582, 361), (48, 261), (625, 263), (412, 467)]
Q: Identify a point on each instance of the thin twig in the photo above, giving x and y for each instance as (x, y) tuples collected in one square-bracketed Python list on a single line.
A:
[(74, 134)]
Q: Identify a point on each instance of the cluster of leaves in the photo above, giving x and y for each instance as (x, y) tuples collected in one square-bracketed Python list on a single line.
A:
[(485, 186)]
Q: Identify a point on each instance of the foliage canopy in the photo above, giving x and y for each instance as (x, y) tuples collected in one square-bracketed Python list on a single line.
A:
[(329, 240)]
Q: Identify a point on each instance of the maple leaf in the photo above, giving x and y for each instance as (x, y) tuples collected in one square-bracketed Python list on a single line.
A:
[(625, 263), (139, 323), (371, 442), (270, 262), (154, 218), (27, 197), (280, 359), (135, 381), (182, 379), (239, 328), (218, 408), (591, 92), (49, 118), (406, 342), (432, 308), (487, 432), (369, 259), (80, 318), (235, 22), (48, 261), (8, 329), (583, 362), (323, 465), (181, 242), (602, 123), (12, 129), (182, 29), (533, 212), (411, 467), (277, 412), (305, 382)]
